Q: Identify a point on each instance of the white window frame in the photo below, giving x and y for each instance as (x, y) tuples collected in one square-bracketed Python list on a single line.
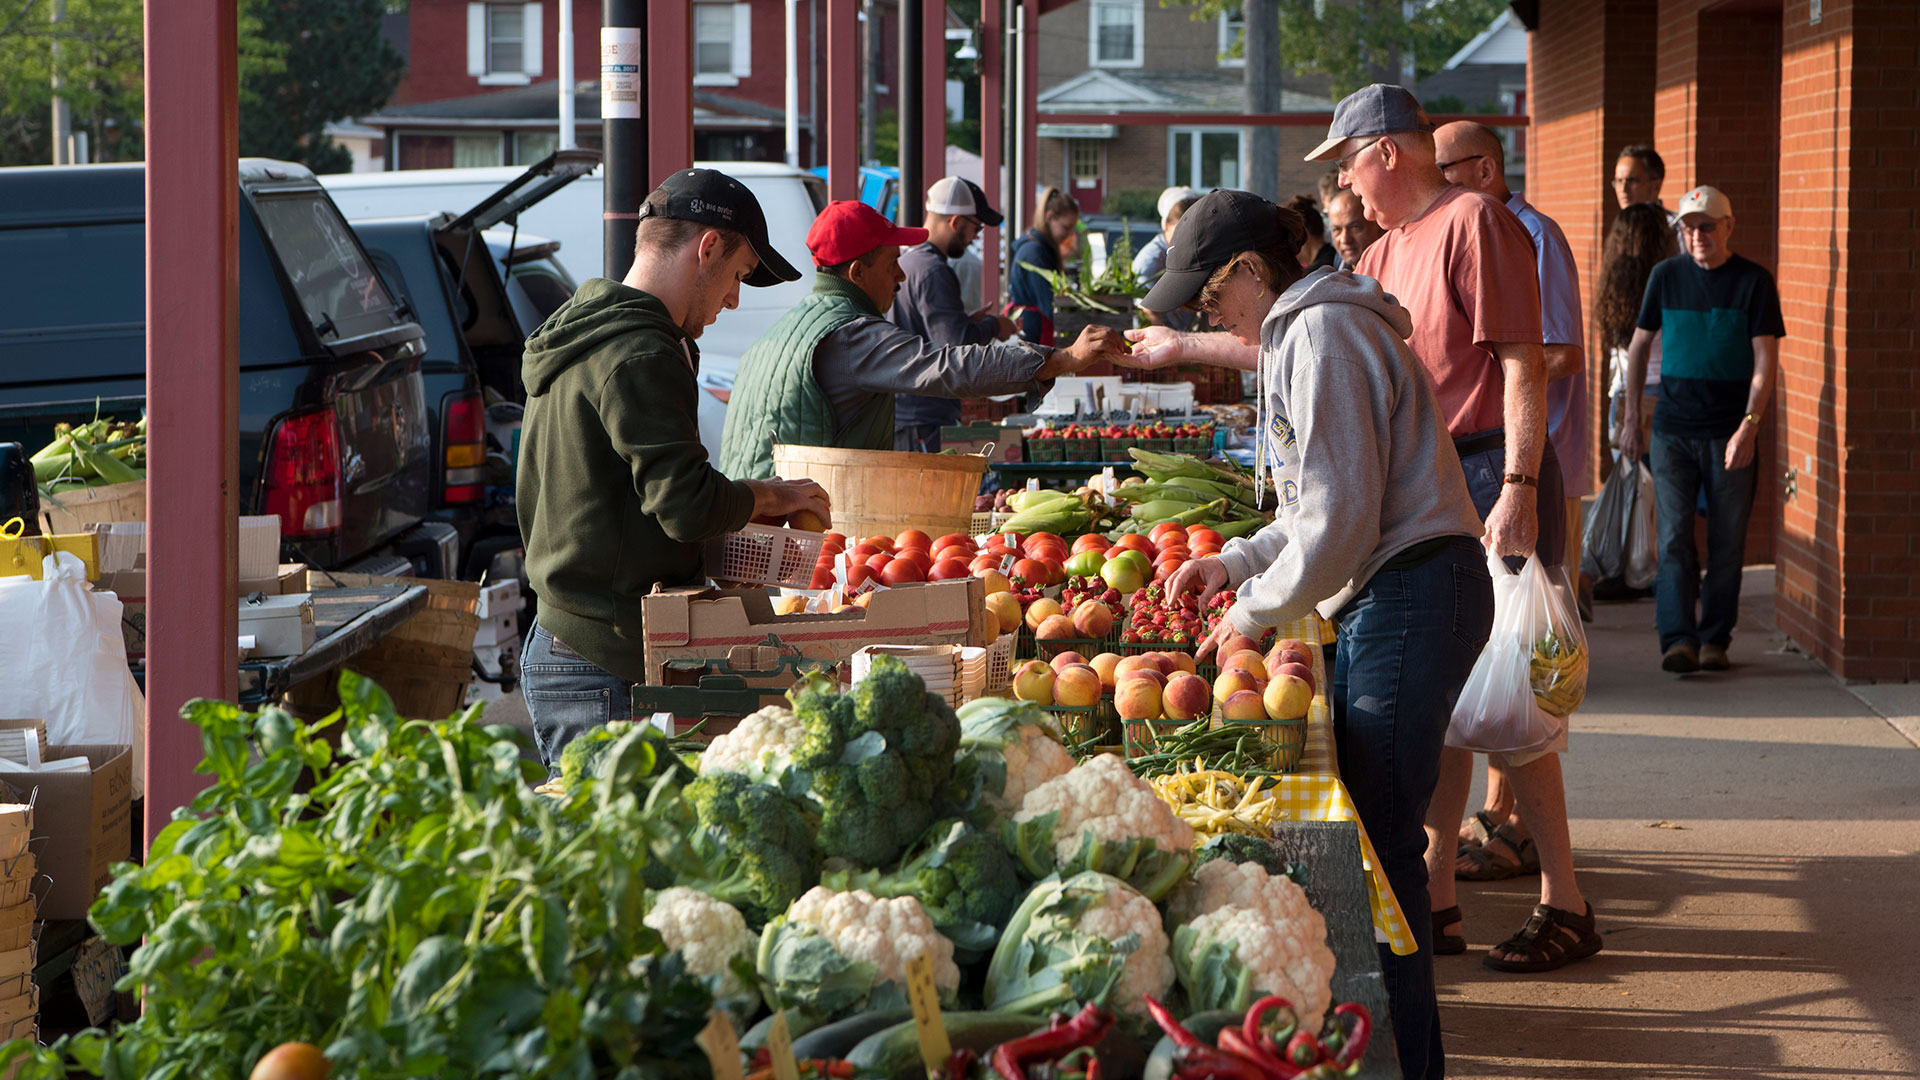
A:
[(1227, 24), (1174, 135), (479, 56), (742, 48), (1139, 57)]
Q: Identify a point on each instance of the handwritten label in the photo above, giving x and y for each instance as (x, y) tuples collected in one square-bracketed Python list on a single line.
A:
[(722, 1045), (780, 1049), (927, 1024), (1033, 483)]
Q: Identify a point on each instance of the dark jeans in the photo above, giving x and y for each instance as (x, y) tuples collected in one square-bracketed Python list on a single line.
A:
[(1485, 471), (1407, 644), (918, 439), (1684, 468), (567, 695)]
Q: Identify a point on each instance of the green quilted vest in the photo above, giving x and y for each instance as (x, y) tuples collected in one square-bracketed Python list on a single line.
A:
[(774, 392)]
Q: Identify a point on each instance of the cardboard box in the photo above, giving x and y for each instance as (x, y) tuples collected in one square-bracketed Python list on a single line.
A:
[(698, 623), (86, 818), (259, 549), (720, 690)]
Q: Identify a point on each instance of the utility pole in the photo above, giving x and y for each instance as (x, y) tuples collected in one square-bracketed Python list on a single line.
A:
[(1262, 53), (62, 117), (623, 132), (793, 83), (567, 80), (869, 95), (906, 101)]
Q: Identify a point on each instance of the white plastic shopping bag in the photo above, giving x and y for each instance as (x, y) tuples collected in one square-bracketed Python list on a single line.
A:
[(1532, 673), (63, 660)]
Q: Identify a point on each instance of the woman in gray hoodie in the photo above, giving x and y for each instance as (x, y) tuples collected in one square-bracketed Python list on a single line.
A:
[(1374, 528)]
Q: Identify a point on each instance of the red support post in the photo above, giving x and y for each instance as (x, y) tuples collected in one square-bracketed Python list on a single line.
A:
[(992, 129), (933, 95), (843, 99), (1029, 134), (669, 88), (193, 383)]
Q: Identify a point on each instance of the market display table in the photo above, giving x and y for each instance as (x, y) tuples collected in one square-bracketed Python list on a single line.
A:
[(346, 623)]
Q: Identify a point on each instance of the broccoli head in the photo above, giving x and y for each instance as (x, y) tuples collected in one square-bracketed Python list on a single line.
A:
[(963, 877), (585, 756), (879, 761), (1240, 848), (755, 841)]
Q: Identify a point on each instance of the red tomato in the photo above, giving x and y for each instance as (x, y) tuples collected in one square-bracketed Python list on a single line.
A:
[(1056, 570), (879, 563), (948, 569), (864, 550), (953, 540), (1201, 533), (1033, 571), (912, 538), (1090, 542), (983, 563), (918, 557), (859, 574), (1163, 529), (1136, 542), (884, 543), (902, 572)]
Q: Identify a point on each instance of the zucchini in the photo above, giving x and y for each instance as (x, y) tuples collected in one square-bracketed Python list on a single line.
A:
[(1206, 1026), (798, 1024), (837, 1039), (895, 1052)]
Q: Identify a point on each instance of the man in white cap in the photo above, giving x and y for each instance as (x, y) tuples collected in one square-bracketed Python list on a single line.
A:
[(1718, 317), (929, 303), (1151, 259)]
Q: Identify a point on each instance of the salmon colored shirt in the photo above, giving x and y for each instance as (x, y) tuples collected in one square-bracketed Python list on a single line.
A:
[(1465, 271)]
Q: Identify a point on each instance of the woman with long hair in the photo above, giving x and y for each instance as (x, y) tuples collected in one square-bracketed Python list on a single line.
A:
[(1029, 294), (1639, 238), (1316, 252)]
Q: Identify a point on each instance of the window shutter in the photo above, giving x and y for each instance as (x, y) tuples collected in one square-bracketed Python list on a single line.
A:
[(742, 40), (476, 39), (535, 41)]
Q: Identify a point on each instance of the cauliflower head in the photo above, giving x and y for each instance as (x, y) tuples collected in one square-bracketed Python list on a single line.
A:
[(1033, 759), (837, 953), (761, 746), (1149, 967), (1089, 939), (1016, 746), (709, 933), (1223, 883), (1241, 932), (1100, 816)]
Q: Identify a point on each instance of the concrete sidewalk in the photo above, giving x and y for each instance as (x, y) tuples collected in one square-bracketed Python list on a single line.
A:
[(1750, 841)]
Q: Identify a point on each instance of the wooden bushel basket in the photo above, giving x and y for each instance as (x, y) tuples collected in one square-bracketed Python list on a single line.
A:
[(881, 492)]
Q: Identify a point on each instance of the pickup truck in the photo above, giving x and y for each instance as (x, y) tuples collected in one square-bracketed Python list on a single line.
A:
[(333, 422)]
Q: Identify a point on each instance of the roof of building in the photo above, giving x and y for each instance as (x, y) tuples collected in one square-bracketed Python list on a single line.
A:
[(538, 104), (1504, 41), (1165, 91)]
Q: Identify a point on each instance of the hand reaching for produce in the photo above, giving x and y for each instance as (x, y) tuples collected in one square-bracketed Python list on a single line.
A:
[(1154, 347), (775, 500), (1203, 576), (1095, 343), (1213, 641)]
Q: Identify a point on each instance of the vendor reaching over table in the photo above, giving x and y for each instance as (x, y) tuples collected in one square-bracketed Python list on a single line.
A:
[(827, 372), (1374, 527), (615, 494)]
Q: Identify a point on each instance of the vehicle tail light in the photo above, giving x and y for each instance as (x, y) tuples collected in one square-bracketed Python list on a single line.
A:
[(303, 475), (463, 432)]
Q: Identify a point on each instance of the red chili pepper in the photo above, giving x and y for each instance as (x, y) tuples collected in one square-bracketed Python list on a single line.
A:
[(1011, 1058), (1256, 1031), (1174, 1028), (1303, 1050), (1233, 1042), (959, 1065), (842, 1069), (1356, 1044), (1093, 1068), (1203, 1062)]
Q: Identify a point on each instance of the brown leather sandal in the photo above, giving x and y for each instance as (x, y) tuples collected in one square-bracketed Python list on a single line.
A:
[(1445, 944), (1551, 939), (1475, 829), (1515, 855)]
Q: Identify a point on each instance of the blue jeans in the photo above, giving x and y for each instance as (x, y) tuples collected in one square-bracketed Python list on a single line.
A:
[(1407, 644), (917, 439), (1486, 472), (567, 694), (1684, 468)]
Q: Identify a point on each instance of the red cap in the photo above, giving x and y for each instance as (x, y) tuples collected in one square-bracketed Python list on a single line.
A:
[(846, 230)]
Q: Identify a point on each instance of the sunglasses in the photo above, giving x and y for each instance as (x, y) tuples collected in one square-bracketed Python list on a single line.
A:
[(1443, 166), (1345, 164)]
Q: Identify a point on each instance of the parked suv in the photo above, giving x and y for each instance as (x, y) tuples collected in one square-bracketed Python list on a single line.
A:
[(334, 436)]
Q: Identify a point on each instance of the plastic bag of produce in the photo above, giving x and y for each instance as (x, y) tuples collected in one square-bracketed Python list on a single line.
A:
[(63, 660), (1617, 540), (1533, 671)]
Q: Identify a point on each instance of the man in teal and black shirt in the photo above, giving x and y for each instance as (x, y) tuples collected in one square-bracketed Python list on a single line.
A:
[(1718, 317)]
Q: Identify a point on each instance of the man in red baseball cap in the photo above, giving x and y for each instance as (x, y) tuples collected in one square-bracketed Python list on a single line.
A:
[(827, 372)]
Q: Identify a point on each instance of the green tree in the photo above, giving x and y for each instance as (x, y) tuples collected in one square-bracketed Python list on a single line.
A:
[(316, 61), (100, 67), (1356, 42)]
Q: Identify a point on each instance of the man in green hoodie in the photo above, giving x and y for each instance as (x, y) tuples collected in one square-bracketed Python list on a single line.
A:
[(615, 494)]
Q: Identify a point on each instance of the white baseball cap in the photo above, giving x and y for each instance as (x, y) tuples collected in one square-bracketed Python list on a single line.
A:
[(1705, 200), (953, 195), (1171, 198)]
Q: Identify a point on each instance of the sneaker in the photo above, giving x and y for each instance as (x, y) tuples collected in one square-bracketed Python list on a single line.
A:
[(1713, 657), (1681, 659)]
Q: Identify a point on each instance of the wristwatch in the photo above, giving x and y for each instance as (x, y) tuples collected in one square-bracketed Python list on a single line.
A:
[(1750, 419), (1519, 478)]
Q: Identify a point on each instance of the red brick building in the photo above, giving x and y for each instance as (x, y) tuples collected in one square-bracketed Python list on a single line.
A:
[(1805, 113)]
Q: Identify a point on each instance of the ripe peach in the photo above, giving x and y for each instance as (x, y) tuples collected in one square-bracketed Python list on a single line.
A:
[(1245, 659), (1005, 607), (1238, 643), (1033, 681), (1233, 681), (1106, 664), (1137, 699), (1243, 705), (1282, 654), (1287, 698), (1077, 685), (1051, 628), (1168, 665), (996, 582), (1041, 610), (1152, 675), (1186, 697), (1298, 671), (1139, 662), (1185, 662), (1092, 619), (1061, 660)]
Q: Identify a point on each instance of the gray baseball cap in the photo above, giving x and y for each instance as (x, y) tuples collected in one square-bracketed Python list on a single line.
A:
[(1380, 109)]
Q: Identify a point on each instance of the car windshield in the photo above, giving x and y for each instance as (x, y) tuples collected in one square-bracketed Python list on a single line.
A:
[(337, 284)]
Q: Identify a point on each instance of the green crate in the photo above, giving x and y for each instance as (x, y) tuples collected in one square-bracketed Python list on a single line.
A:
[(1284, 740), (1164, 446), (1115, 450), (1046, 450), (1081, 449), (1078, 723)]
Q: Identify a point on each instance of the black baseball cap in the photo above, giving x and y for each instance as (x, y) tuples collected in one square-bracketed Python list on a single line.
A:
[(1221, 225), (713, 198), (1380, 109)]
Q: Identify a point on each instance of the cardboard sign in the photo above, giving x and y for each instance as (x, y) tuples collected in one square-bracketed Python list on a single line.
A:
[(935, 1049), (780, 1049), (722, 1045)]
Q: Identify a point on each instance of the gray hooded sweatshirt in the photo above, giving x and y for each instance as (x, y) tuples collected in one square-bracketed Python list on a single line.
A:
[(1357, 449)]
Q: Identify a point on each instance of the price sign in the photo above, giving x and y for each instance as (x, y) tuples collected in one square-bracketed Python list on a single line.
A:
[(722, 1045), (1033, 483), (927, 1024), (780, 1049)]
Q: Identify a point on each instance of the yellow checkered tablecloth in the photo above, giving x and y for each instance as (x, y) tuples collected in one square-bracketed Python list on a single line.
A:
[(1313, 792)]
